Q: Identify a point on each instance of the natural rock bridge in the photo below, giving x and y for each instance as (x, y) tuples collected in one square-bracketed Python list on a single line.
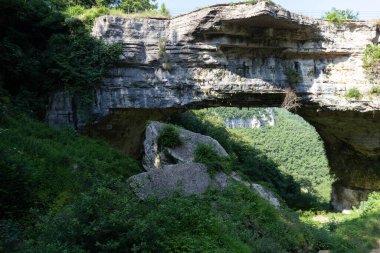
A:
[(236, 55)]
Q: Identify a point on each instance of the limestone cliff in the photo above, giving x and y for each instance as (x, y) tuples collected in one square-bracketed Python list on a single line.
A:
[(237, 55)]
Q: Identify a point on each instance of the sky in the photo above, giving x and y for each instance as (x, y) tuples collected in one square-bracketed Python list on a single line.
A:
[(368, 9)]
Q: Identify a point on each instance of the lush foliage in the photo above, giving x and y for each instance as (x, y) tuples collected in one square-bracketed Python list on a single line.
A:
[(353, 93), (337, 16), (290, 156), (110, 219), (168, 137), (47, 168)]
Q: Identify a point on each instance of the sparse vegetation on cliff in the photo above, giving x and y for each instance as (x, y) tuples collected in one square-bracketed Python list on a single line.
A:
[(371, 62), (353, 93), (292, 77)]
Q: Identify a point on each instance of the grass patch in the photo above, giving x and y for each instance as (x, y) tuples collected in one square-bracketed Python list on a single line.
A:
[(359, 230), (353, 93), (168, 137)]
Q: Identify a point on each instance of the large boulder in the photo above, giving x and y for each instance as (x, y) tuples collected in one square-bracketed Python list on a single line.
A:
[(154, 158), (185, 179), (173, 170)]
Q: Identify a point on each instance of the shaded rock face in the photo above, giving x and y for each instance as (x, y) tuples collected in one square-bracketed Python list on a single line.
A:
[(343, 198), (236, 55), (352, 141), (154, 158), (185, 179)]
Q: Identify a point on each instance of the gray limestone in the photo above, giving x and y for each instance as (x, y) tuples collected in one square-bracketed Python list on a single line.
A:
[(236, 55)]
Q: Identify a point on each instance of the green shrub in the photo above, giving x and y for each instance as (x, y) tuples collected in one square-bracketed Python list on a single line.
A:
[(353, 93), (337, 17), (375, 90), (168, 137), (292, 77)]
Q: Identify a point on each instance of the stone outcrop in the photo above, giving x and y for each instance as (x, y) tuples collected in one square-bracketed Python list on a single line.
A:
[(184, 178), (154, 158), (264, 193), (237, 55)]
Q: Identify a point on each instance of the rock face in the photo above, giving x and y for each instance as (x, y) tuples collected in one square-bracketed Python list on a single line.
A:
[(157, 159), (185, 179), (237, 55), (260, 120)]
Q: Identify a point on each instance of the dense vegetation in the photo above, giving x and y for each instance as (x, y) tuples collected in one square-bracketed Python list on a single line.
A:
[(42, 51), (290, 156)]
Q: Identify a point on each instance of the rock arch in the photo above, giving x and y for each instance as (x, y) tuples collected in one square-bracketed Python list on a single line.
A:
[(237, 55)]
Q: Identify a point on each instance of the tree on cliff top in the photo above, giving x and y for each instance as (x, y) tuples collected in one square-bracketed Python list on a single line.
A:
[(338, 16), (126, 5)]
